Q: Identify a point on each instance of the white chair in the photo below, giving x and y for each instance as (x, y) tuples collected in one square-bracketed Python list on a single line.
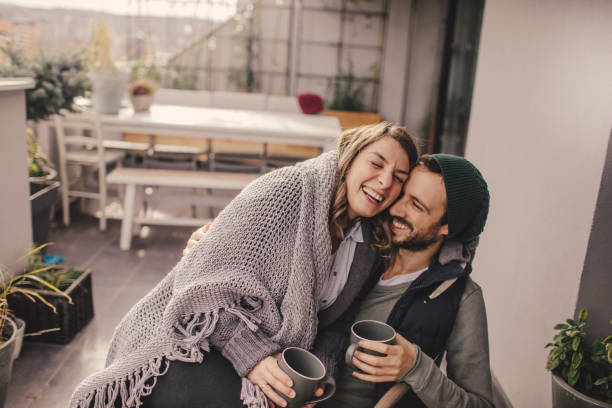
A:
[(86, 149)]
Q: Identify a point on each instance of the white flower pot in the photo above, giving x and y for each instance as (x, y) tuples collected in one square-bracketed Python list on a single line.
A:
[(142, 103), (108, 89)]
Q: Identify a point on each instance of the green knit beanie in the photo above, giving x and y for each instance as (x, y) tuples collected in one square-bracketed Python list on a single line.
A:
[(467, 197)]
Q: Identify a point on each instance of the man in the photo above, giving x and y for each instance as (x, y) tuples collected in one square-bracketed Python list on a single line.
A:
[(428, 299)]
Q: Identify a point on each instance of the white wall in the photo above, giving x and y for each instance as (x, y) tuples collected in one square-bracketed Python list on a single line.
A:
[(540, 123), (15, 217), (394, 62)]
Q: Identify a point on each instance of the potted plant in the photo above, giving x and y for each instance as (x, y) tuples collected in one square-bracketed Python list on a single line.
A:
[(142, 92), (581, 373), (66, 311), (58, 80), (43, 189), (109, 82), (11, 285), (347, 103)]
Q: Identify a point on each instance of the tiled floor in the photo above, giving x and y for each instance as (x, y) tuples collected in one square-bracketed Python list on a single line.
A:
[(46, 374)]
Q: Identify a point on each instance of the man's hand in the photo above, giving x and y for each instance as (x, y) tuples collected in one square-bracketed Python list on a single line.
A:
[(398, 360), (195, 237), (267, 374)]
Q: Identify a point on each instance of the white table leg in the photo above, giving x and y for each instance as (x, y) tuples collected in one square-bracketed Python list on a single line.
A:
[(128, 217)]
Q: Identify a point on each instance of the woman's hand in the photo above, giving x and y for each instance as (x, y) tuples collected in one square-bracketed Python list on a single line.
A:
[(195, 237), (267, 374), (398, 360), (318, 392)]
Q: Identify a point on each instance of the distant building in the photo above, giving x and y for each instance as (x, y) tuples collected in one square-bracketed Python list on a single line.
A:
[(24, 34)]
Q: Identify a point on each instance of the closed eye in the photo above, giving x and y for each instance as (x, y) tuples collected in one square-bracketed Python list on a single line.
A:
[(377, 165), (399, 179)]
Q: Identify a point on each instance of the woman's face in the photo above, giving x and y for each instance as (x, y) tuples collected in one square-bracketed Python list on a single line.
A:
[(375, 177)]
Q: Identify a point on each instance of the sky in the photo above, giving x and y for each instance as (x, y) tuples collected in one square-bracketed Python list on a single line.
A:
[(214, 9)]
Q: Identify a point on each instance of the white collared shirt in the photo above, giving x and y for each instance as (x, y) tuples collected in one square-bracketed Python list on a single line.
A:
[(343, 260)]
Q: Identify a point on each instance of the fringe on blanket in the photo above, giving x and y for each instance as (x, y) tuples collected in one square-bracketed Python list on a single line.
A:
[(252, 396), (189, 342), (130, 389)]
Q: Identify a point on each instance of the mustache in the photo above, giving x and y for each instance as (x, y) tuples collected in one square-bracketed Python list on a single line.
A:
[(403, 221)]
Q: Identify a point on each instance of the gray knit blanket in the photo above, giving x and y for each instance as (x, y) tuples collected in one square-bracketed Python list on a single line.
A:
[(249, 288)]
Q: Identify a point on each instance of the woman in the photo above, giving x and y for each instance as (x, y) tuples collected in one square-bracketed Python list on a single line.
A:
[(254, 284)]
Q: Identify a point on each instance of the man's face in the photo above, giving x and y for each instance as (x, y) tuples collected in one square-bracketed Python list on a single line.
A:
[(417, 214)]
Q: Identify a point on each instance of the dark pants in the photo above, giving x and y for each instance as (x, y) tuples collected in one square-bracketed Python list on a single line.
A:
[(212, 384)]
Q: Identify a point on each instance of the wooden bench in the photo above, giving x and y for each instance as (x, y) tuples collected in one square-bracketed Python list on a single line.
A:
[(133, 178)]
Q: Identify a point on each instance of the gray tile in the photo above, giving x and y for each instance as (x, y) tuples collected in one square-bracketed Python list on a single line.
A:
[(32, 370)]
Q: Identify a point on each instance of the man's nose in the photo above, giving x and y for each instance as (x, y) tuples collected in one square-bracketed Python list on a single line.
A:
[(397, 209)]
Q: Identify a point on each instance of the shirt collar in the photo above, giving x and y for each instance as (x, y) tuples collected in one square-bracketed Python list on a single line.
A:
[(355, 233)]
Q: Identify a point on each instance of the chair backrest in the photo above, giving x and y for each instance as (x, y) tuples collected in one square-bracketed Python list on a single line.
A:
[(239, 100), (88, 138), (88, 128), (182, 97), (279, 103)]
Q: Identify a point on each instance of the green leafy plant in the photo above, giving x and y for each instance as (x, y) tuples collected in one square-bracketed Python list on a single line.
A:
[(58, 80), (347, 93), (38, 163), (24, 283), (146, 70), (587, 368)]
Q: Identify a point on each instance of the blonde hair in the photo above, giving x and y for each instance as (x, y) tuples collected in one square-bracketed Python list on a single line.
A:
[(349, 146)]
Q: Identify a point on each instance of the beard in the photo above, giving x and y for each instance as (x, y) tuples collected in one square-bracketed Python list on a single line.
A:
[(420, 240)]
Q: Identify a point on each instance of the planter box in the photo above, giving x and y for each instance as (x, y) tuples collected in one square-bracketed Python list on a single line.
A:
[(350, 119), (70, 318), (564, 396), (42, 196)]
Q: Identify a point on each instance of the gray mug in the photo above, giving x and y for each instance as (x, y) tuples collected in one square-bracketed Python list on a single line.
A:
[(307, 372), (371, 330)]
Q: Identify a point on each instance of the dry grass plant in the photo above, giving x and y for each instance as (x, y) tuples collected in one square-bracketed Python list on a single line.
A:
[(24, 283)]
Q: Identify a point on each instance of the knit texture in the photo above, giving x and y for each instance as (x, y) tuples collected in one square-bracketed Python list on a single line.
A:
[(467, 197), (249, 288)]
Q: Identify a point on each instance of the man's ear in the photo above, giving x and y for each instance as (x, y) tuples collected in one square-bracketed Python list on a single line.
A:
[(443, 231)]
